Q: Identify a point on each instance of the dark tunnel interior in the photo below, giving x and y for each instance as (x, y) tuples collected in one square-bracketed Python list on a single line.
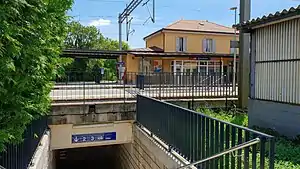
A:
[(104, 157)]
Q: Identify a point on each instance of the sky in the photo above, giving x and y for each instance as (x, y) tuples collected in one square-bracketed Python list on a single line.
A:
[(103, 14)]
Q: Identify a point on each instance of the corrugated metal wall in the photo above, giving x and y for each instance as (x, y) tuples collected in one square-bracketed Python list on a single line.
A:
[(277, 62)]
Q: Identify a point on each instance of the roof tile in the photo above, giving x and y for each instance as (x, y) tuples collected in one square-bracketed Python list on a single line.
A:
[(199, 25), (271, 17)]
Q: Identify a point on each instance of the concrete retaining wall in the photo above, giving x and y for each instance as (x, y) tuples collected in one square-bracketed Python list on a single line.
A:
[(92, 113), (42, 158), (143, 153), (283, 118)]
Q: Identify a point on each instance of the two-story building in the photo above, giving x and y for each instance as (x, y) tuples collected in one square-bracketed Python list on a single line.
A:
[(186, 46)]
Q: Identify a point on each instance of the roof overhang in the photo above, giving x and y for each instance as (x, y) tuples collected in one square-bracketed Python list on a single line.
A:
[(96, 54), (153, 34), (186, 30), (180, 54), (271, 19)]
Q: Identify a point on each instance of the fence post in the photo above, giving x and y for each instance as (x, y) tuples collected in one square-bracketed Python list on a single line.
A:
[(124, 96), (159, 85), (193, 90), (272, 153), (226, 94)]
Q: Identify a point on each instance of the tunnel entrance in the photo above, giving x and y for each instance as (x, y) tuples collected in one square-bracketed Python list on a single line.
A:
[(104, 157)]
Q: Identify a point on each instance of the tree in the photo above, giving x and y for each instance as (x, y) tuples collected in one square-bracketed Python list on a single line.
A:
[(89, 37), (31, 36)]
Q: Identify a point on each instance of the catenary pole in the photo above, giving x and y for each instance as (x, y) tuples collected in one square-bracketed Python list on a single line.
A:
[(244, 67)]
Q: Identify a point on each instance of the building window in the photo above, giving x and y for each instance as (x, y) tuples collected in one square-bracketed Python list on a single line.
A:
[(209, 45), (180, 44)]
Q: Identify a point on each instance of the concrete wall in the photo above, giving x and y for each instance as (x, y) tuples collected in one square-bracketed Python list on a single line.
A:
[(283, 118), (143, 153), (61, 135), (42, 158), (132, 64), (85, 114)]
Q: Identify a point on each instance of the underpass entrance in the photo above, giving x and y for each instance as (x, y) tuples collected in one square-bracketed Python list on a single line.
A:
[(88, 158)]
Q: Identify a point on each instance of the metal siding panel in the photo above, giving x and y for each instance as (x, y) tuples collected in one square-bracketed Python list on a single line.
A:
[(279, 41), (273, 79), (293, 82), (265, 44), (288, 40), (298, 39), (283, 89), (252, 65), (293, 38), (257, 81), (288, 81), (270, 81), (279, 81), (277, 86), (285, 42), (258, 44), (266, 83), (282, 53), (298, 82)]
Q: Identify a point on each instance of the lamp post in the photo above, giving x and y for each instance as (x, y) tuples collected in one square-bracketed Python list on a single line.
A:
[(234, 51)]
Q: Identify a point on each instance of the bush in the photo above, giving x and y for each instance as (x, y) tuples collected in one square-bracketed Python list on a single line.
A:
[(31, 36), (287, 151)]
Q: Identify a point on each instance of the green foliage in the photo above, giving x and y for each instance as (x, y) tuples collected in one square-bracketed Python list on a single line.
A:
[(287, 151), (89, 37), (31, 35), (231, 116)]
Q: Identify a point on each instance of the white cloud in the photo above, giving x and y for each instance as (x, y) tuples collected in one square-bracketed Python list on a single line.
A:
[(100, 22)]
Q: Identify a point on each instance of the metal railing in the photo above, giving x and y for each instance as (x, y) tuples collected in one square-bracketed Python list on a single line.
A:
[(90, 77), (182, 85), (85, 86), (88, 86), (19, 156), (230, 150), (196, 136)]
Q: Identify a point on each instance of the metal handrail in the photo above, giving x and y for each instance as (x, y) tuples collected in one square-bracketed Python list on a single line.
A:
[(232, 149), (215, 119)]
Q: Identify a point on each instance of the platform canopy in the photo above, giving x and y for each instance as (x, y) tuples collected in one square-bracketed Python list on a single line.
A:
[(92, 54)]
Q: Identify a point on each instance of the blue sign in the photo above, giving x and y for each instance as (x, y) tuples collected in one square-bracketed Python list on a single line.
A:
[(93, 137), (121, 63)]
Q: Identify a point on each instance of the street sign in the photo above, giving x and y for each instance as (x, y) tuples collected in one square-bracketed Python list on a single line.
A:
[(234, 44), (93, 137), (102, 71), (120, 63)]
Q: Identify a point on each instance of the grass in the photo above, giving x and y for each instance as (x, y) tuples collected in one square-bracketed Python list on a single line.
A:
[(287, 151)]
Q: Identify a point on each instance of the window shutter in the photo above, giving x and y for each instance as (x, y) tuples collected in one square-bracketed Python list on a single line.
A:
[(204, 45), (184, 44), (214, 46), (177, 44)]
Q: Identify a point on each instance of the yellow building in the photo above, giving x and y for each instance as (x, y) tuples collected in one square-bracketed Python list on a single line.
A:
[(185, 46)]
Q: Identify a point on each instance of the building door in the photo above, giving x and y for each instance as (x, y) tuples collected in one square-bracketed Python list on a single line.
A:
[(190, 72)]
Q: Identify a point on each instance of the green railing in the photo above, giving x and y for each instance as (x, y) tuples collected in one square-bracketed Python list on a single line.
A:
[(197, 137)]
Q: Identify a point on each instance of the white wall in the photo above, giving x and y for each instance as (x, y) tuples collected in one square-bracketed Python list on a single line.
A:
[(61, 135), (43, 156)]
